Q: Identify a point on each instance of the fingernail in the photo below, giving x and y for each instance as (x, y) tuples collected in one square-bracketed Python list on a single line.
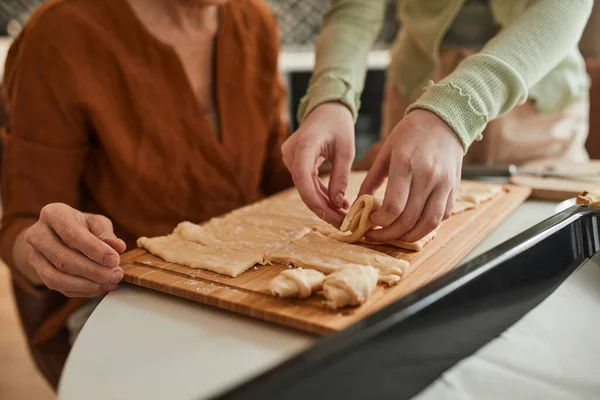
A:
[(116, 276), (110, 260), (339, 199), (108, 287)]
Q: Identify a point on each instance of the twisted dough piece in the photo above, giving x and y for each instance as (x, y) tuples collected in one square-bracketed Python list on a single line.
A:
[(297, 282), (350, 286), (358, 220)]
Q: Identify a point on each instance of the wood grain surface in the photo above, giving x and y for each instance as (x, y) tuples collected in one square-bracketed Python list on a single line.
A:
[(557, 189), (248, 293)]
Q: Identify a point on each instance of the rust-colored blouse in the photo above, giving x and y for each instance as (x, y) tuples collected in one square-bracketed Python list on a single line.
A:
[(102, 117)]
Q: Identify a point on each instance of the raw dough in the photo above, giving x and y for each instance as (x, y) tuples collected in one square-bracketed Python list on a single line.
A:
[(297, 282), (350, 286), (319, 252), (589, 197), (174, 249), (243, 234), (358, 221), (415, 246), (463, 205), (477, 192)]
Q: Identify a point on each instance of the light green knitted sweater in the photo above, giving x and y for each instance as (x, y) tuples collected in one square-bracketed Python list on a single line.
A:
[(534, 56)]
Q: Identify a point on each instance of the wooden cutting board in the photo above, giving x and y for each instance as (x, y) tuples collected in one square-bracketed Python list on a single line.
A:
[(554, 188), (248, 293)]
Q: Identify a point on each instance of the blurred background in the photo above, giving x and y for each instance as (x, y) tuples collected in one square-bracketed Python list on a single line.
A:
[(299, 22)]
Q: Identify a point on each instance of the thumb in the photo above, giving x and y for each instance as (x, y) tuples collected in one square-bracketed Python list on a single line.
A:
[(340, 173), (102, 228), (376, 175)]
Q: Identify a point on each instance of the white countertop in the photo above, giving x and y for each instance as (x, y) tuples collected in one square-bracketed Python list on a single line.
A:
[(141, 344)]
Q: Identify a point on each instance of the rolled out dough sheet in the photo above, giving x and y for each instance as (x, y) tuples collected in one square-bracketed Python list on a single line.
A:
[(173, 249), (477, 192), (327, 255)]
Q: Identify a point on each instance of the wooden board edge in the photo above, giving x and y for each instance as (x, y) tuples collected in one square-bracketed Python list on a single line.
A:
[(223, 303)]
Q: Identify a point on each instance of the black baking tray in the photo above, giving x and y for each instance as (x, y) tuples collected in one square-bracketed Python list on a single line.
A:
[(400, 350)]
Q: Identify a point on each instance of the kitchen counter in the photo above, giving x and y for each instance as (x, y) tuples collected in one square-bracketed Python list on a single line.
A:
[(143, 344)]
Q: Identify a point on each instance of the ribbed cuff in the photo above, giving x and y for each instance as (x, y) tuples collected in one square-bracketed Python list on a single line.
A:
[(329, 89), (454, 107)]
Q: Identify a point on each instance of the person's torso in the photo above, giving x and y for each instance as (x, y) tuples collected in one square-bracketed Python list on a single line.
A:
[(155, 159), (428, 25)]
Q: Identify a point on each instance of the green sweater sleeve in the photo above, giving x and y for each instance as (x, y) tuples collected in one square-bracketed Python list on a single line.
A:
[(492, 82), (348, 32)]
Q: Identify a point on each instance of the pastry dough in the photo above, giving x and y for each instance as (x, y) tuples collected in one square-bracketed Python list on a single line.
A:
[(174, 249), (316, 251), (297, 282), (463, 205), (242, 234), (358, 220), (589, 198), (415, 246), (350, 286), (477, 192)]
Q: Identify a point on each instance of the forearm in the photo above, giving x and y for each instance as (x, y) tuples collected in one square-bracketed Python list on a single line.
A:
[(20, 259), (494, 81), (348, 32)]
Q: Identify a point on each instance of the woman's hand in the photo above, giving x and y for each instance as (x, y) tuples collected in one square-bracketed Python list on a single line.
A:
[(422, 158), (75, 253), (326, 134)]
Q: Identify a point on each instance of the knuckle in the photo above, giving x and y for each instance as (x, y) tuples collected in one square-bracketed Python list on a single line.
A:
[(50, 210), (403, 164), (59, 260), (433, 221), (46, 278), (67, 232), (394, 208), (102, 219), (346, 154), (410, 220), (30, 235), (341, 180)]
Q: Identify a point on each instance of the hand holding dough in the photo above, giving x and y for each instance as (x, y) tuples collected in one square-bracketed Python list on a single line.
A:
[(358, 219), (297, 282), (350, 286)]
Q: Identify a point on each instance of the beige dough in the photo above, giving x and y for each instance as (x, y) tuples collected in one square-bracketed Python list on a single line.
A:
[(415, 246), (358, 221), (174, 249), (350, 286), (316, 251), (258, 236), (589, 197), (297, 282), (477, 192), (463, 205)]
